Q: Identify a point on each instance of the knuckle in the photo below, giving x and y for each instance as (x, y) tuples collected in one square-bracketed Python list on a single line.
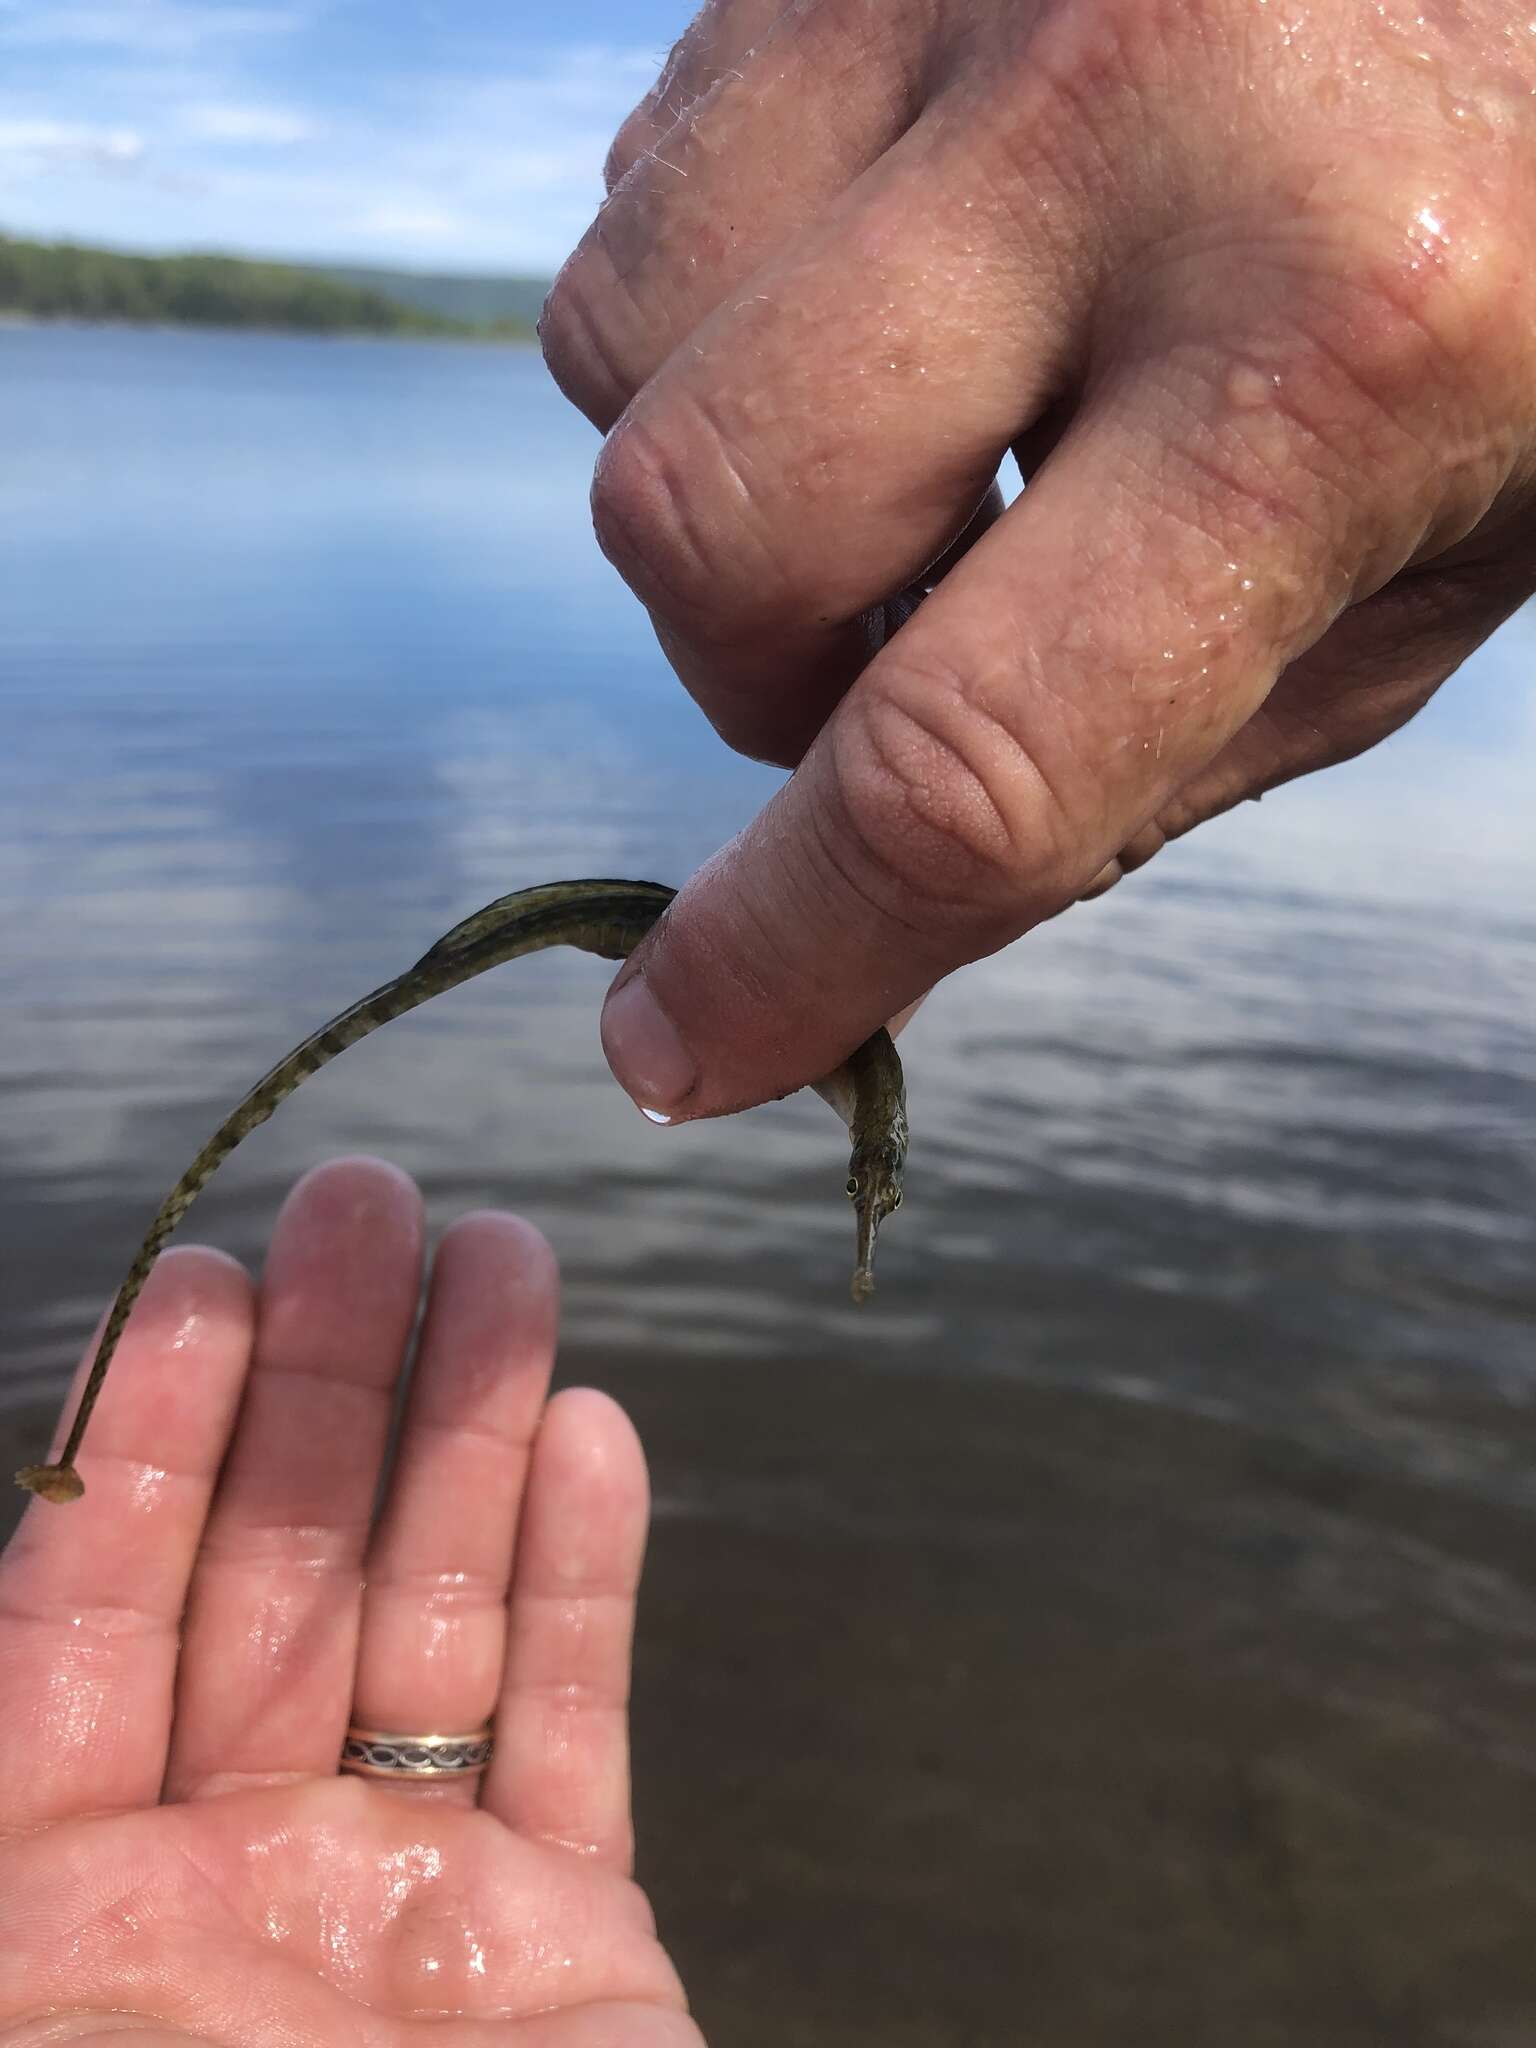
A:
[(1452, 276), (1393, 322), (672, 509), (645, 516), (637, 135), (578, 352), (676, 89), (1398, 298), (1382, 401), (1084, 78), (948, 807), (1340, 414)]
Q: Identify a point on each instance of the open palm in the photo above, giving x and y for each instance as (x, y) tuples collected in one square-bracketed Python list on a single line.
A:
[(181, 1653)]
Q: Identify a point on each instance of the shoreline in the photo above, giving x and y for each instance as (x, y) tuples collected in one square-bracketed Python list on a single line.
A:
[(12, 319)]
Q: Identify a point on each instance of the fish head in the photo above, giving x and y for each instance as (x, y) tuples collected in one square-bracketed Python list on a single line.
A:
[(874, 1188)]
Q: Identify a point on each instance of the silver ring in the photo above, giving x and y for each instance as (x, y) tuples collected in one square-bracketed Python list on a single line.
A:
[(380, 1753)]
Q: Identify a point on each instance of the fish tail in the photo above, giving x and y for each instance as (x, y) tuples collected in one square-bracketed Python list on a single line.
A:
[(60, 1481)]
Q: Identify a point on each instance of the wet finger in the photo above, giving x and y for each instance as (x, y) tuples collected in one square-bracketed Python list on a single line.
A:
[(1190, 538), (91, 1595), (829, 432), (270, 1641), (773, 123), (561, 1769), (434, 1633)]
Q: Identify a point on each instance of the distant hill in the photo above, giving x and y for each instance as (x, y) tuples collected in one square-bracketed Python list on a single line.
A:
[(66, 281), (476, 301)]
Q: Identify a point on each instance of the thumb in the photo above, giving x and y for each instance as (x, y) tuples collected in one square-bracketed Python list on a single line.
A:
[(1085, 660)]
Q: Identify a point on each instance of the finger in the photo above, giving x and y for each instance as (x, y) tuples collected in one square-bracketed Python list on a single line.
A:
[(830, 430), (561, 1768), (602, 2025), (1089, 657), (91, 1596), (773, 122), (434, 1615), (271, 1632), (721, 36)]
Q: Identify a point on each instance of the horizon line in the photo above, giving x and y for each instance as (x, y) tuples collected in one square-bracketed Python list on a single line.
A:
[(240, 255)]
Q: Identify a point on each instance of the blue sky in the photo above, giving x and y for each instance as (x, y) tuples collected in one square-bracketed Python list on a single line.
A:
[(442, 134)]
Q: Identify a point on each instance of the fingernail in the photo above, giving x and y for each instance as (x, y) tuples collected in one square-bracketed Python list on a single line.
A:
[(650, 1060)]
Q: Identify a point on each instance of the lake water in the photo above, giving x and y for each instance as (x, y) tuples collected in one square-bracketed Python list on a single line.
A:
[(1147, 1573)]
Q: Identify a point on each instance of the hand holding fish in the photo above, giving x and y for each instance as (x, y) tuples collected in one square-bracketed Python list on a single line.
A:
[(1245, 288)]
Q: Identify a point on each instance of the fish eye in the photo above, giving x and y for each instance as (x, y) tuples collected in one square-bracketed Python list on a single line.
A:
[(853, 1186)]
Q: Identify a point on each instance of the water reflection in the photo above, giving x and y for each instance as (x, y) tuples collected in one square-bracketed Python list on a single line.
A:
[(313, 710), (1212, 1296)]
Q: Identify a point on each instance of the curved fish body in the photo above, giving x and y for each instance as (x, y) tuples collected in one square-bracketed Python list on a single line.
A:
[(608, 918)]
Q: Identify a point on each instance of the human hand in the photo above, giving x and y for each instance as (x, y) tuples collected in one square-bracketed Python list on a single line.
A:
[(1244, 283), (181, 1652)]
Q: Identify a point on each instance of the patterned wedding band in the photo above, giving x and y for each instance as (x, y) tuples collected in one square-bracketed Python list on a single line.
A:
[(377, 1753)]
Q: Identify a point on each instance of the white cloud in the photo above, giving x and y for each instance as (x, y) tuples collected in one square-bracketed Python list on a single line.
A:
[(215, 122), (146, 25), (31, 147), (498, 170), (413, 223)]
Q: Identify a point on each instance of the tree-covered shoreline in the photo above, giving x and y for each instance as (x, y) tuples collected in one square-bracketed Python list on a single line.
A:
[(69, 281)]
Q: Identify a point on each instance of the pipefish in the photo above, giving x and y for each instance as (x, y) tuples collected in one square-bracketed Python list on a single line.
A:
[(608, 918)]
